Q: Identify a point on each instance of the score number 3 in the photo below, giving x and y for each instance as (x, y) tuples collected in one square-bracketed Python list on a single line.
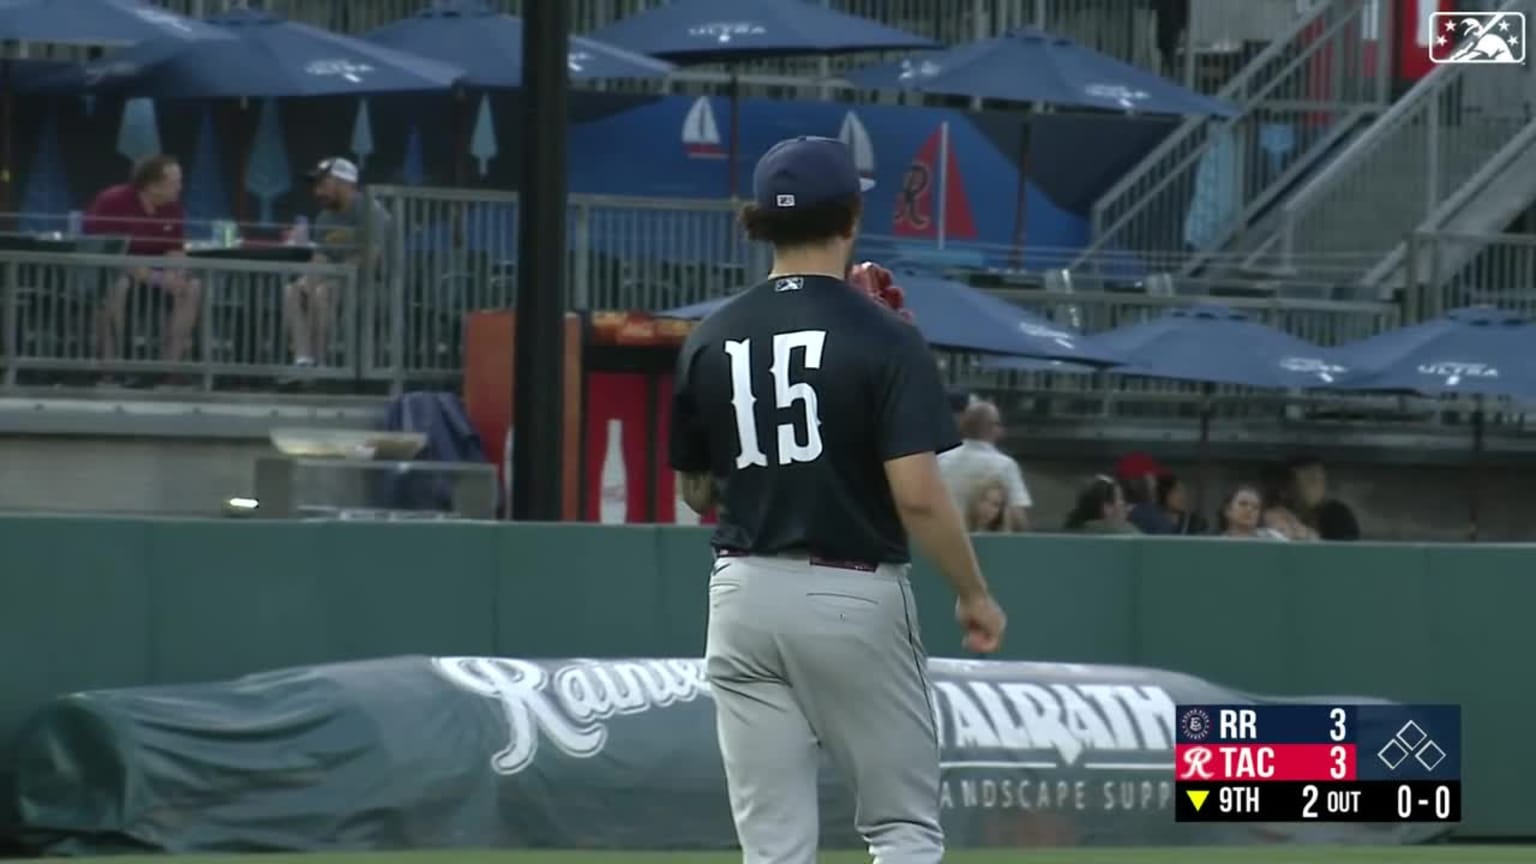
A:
[(1339, 755), (786, 394)]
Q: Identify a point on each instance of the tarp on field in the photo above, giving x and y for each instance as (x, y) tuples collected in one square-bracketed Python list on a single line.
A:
[(418, 752)]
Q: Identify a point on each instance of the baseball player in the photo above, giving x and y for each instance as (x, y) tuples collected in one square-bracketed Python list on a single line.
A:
[(810, 417)]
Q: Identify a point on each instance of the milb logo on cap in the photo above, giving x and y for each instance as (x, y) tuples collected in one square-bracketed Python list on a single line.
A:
[(1477, 37)]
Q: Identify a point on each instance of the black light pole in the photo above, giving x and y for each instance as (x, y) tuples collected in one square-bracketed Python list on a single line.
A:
[(536, 400)]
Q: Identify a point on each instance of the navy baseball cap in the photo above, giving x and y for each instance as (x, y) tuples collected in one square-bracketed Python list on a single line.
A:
[(804, 171)]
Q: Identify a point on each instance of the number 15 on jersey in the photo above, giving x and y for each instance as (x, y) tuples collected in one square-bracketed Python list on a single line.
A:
[(788, 394)]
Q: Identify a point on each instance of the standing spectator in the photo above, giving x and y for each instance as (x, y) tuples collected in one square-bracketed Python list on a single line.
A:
[(977, 458), (986, 506), (147, 211), (309, 304), (1100, 509), (1173, 502), (1240, 513), (1138, 473)]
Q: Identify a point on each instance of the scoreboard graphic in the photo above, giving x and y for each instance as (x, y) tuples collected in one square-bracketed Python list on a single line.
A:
[(1317, 763)]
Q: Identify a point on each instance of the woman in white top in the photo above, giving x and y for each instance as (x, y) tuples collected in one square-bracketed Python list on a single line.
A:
[(1239, 516)]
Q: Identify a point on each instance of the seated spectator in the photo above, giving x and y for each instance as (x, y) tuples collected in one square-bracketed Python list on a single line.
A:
[(146, 210), (1137, 473), (1292, 492), (1174, 505), (986, 506), (1336, 521), (1240, 515), (309, 304), (1100, 509), (977, 458)]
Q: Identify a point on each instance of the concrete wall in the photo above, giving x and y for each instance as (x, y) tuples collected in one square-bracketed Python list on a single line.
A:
[(191, 476), (169, 476)]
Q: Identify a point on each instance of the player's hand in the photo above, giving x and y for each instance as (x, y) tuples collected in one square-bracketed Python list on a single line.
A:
[(982, 621), (878, 284)]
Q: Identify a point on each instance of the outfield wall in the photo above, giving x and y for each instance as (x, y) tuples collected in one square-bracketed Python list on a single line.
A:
[(88, 603)]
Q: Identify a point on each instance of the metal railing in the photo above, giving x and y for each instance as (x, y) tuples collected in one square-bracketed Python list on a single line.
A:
[(1395, 174), (1129, 31), (1212, 177), (54, 315), (452, 252), (1447, 271)]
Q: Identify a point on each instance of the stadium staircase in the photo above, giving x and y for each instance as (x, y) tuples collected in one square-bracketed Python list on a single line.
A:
[(1454, 154), (1213, 178)]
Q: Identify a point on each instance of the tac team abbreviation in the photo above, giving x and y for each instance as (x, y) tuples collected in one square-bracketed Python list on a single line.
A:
[(1317, 763)]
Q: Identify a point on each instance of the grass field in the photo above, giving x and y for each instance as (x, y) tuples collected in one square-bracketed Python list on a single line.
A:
[(1204, 855)]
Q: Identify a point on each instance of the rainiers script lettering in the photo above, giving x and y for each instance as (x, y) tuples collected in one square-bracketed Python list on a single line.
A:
[(568, 706)]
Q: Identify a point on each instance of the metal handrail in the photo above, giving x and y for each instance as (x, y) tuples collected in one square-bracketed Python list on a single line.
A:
[(1466, 193), (189, 262), (1421, 97), (1153, 162)]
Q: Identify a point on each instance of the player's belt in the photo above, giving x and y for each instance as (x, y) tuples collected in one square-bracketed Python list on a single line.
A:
[(816, 560)]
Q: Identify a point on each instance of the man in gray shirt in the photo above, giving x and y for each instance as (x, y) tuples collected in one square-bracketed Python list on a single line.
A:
[(309, 303)]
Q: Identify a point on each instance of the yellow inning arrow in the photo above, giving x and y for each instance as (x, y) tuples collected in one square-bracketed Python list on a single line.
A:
[(1197, 797)]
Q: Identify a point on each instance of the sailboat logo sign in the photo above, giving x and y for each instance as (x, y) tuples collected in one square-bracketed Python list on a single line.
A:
[(856, 138), (701, 137)]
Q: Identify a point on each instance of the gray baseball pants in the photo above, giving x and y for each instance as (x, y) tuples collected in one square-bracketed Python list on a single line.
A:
[(804, 657)]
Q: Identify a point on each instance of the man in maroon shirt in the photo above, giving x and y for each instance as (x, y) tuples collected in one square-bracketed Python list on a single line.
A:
[(147, 211)]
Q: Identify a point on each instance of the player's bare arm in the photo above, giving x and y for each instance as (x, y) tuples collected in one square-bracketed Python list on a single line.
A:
[(931, 518), (698, 491)]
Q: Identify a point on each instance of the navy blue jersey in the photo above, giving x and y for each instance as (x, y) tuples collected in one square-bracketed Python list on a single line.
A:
[(793, 396)]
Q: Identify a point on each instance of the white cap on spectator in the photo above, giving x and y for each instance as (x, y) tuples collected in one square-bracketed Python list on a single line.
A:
[(341, 169)]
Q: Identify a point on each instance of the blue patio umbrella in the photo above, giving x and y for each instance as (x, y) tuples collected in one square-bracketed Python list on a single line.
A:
[(96, 22), (1478, 351), (267, 58), (1213, 344), (82, 22), (488, 45), (726, 31), (720, 31), (958, 317), (1028, 65)]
